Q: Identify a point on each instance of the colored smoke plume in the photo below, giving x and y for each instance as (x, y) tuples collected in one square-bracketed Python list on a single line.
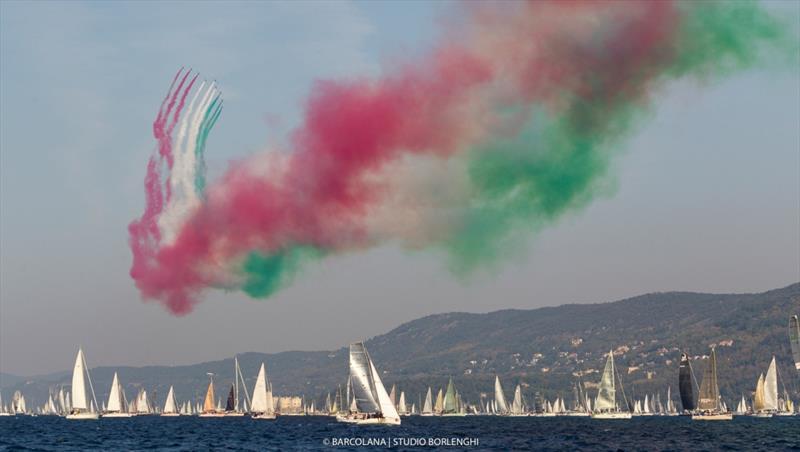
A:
[(509, 122)]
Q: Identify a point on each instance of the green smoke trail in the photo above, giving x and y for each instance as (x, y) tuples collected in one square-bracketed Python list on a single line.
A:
[(209, 119), (559, 162), (266, 274)]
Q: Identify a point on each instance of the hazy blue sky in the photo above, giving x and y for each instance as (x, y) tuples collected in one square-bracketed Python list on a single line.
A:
[(707, 191)]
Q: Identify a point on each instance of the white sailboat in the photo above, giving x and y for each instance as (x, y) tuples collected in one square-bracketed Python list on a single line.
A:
[(427, 407), (372, 402), (81, 405), (262, 406), (499, 396), (605, 407), (741, 408), (3, 410), (117, 405), (402, 408), (171, 404), (517, 407)]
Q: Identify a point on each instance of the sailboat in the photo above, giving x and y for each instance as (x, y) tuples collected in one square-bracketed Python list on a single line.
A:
[(427, 407), (606, 405), (452, 402), (3, 411), (81, 405), (402, 408), (438, 407), (142, 407), (171, 404), (671, 410), (373, 405), (209, 410), (232, 406), (517, 406), (741, 408), (117, 403), (499, 397), (262, 406), (710, 407)]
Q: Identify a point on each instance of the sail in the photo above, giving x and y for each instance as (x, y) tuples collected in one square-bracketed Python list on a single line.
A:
[(709, 391), (516, 405), (427, 408), (685, 386), (230, 404), (260, 404), (208, 405), (450, 405), (393, 395), (439, 406), (170, 406), (62, 401), (758, 396), (386, 406), (364, 390), (79, 384), (771, 387), (114, 397), (794, 339), (401, 405), (606, 395), (499, 396)]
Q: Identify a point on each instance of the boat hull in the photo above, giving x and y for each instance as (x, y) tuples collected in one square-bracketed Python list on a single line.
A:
[(170, 414), (265, 416), (211, 415), (762, 415), (712, 417), (115, 415), (358, 420), (83, 416), (613, 415)]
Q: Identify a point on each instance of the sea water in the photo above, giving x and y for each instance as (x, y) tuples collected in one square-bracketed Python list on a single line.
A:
[(416, 433)]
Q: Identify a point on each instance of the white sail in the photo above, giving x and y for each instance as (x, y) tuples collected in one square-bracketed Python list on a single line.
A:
[(499, 396), (646, 407), (170, 406), (771, 387), (79, 400), (364, 384), (516, 405), (427, 407), (385, 403), (606, 395), (260, 402), (401, 405), (114, 397)]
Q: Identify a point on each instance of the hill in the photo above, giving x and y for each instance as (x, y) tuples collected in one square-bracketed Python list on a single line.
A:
[(545, 350)]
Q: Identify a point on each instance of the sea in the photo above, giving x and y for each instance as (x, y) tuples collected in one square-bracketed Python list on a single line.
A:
[(416, 433)]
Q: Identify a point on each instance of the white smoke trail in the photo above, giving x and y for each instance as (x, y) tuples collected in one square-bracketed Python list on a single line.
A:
[(184, 198)]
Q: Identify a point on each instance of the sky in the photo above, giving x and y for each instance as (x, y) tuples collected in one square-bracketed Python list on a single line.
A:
[(704, 197)]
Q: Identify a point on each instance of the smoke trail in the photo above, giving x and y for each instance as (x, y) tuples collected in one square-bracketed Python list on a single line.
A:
[(511, 121)]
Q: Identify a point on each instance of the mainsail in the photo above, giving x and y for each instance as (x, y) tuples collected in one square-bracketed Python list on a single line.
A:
[(79, 400), (771, 387), (606, 395), (230, 404), (499, 396), (685, 386), (427, 408), (208, 405), (439, 406), (171, 405), (516, 405), (709, 391), (116, 400), (364, 390), (450, 404), (794, 339), (262, 396)]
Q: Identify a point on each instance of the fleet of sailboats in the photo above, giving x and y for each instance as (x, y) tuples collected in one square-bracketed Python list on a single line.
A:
[(366, 401)]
